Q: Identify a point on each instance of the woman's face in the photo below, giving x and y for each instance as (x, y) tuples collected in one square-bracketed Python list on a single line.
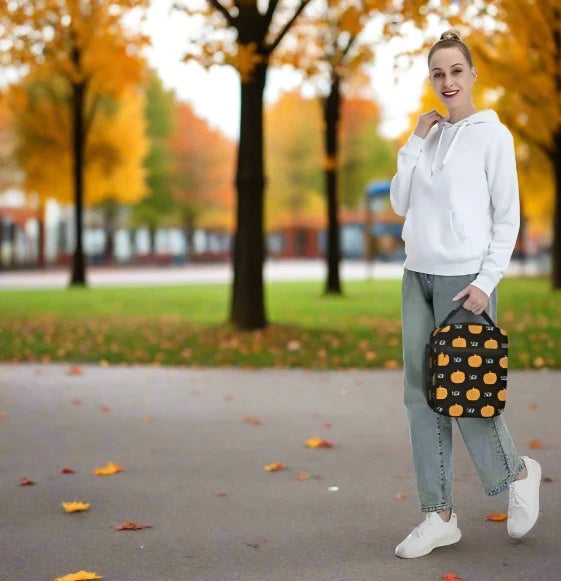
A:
[(451, 77)]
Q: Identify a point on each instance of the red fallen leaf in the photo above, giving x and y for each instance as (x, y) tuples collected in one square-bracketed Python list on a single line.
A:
[(228, 397), (26, 482), (251, 420), (221, 494), (76, 401), (451, 577), (496, 517), (75, 371), (315, 415), (547, 479), (535, 444), (400, 496), (327, 425), (67, 471), (256, 544), (105, 408), (131, 526)]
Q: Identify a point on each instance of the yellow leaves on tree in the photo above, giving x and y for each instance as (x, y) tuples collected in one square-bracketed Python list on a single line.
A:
[(114, 151), (245, 60)]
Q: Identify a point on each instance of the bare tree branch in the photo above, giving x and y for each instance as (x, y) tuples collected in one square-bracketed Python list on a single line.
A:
[(217, 6), (287, 26), (271, 11)]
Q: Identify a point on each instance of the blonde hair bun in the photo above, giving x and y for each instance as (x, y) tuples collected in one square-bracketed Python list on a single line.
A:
[(450, 35)]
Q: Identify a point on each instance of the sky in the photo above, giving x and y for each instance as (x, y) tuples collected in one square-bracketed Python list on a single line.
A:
[(214, 94)]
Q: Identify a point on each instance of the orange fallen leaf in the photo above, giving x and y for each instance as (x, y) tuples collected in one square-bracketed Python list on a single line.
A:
[(401, 496), (318, 443), (533, 406), (76, 401), (221, 494), (79, 576), (26, 482), (451, 577), (4, 415), (75, 506), (251, 420), (148, 418), (535, 444), (131, 526), (496, 517), (110, 468), (75, 371), (105, 408), (302, 476), (274, 467), (67, 471)]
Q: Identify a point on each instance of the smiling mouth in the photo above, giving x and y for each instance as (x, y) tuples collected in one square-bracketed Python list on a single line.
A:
[(449, 93)]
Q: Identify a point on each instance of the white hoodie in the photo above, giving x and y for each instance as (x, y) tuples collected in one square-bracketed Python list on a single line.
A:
[(458, 189)]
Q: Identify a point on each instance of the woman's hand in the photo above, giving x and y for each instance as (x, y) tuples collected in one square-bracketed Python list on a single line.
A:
[(477, 300), (426, 121)]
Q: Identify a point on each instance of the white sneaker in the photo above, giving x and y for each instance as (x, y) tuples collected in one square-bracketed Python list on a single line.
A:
[(431, 533), (524, 500)]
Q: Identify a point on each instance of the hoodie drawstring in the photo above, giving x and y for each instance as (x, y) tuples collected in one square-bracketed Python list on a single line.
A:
[(450, 149)]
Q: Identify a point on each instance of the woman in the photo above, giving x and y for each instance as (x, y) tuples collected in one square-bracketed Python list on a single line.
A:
[(456, 183)]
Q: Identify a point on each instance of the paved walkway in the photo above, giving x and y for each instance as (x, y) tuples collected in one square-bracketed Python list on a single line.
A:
[(193, 469), (275, 270)]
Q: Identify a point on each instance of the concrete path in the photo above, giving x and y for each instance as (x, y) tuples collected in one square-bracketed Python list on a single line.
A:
[(275, 270), (193, 469)]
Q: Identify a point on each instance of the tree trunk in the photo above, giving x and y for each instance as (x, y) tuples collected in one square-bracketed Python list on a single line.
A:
[(152, 238), (247, 300), (331, 112), (556, 238), (42, 236), (78, 262), (110, 210), (188, 232)]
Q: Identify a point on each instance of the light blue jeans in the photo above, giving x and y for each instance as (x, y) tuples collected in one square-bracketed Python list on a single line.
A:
[(426, 299)]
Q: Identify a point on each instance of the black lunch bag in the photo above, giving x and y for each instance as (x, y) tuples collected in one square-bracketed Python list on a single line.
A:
[(466, 368)]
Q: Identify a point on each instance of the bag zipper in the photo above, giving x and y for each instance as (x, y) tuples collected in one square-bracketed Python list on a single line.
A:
[(470, 349)]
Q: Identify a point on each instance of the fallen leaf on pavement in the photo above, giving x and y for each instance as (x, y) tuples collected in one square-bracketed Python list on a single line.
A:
[(318, 443), (251, 420), (110, 468), (75, 506), (131, 526), (26, 482), (496, 517), (274, 467), (80, 576), (67, 471)]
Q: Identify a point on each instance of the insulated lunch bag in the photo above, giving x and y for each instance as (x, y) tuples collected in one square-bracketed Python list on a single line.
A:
[(466, 368)]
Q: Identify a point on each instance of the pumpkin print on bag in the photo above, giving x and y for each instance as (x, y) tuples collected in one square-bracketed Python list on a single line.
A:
[(466, 366)]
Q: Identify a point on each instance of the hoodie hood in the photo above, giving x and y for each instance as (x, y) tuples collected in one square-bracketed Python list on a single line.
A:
[(483, 116)]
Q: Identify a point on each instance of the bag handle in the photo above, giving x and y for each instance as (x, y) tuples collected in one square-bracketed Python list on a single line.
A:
[(454, 311)]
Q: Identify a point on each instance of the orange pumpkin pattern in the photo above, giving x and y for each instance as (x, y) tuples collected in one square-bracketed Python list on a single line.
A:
[(466, 366)]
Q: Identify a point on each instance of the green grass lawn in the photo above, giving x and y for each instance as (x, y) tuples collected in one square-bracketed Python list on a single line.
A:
[(185, 325)]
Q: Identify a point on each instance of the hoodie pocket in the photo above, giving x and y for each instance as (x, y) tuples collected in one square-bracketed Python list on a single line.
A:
[(456, 225)]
